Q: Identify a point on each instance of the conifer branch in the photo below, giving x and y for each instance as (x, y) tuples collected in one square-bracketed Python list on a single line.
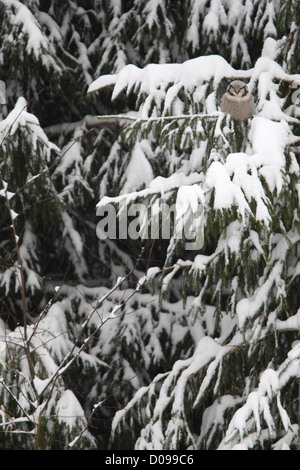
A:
[(91, 122), (21, 277), (228, 78), (51, 167), (18, 115)]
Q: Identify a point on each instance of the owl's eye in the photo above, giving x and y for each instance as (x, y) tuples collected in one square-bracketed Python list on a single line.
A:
[(243, 91), (240, 91)]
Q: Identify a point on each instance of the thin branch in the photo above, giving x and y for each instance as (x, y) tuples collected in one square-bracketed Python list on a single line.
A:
[(48, 305), (124, 117), (16, 400), (113, 119), (90, 122)]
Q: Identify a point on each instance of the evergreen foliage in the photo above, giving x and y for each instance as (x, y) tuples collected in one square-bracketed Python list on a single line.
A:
[(160, 341)]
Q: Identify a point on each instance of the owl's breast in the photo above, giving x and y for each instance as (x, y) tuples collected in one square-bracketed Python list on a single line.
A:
[(239, 109)]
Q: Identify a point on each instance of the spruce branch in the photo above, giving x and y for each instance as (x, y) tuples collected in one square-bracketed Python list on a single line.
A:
[(51, 167), (227, 78), (19, 114)]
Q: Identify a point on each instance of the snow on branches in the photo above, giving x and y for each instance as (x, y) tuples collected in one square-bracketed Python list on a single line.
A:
[(246, 178)]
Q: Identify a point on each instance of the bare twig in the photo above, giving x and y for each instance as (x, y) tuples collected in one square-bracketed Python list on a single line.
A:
[(16, 400)]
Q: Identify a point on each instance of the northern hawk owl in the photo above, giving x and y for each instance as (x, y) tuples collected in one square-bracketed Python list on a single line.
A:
[(238, 101)]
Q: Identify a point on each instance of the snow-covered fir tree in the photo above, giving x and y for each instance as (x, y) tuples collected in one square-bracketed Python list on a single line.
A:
[(180, 330)]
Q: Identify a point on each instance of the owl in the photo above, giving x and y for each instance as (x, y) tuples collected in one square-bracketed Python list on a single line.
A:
[(238, 101)]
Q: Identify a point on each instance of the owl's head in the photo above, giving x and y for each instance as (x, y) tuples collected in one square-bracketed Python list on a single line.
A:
[(238, 88)]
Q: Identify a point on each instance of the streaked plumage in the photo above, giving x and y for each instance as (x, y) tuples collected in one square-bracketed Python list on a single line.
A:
[(238, 101)]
